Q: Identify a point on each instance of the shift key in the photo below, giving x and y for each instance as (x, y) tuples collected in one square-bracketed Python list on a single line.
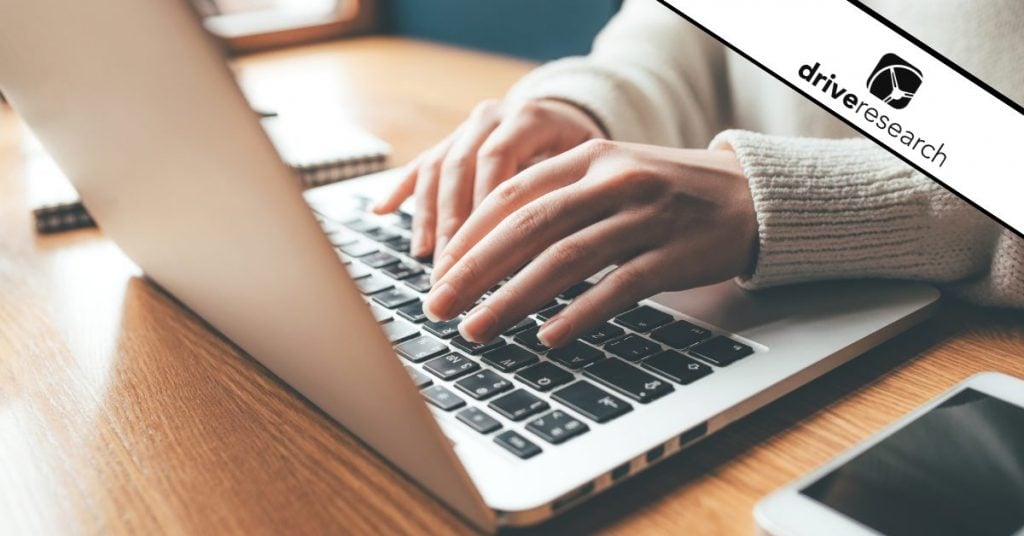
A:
[(591, 402), (628, 380)]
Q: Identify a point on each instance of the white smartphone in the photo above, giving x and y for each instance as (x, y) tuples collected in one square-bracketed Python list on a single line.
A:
[(954, 466)]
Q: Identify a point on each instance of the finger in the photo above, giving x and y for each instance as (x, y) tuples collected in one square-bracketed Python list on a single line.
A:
[(401, 191), (560, 266), (633, 281), (425, 218), (513, 243), (407, 186), (516, 141), (455, 190), (513, 195)]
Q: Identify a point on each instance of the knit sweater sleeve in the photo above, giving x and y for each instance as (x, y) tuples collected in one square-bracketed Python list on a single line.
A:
[(829, 209), (651, 78)]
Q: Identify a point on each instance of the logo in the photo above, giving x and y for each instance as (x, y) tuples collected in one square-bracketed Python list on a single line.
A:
[(894, 81)]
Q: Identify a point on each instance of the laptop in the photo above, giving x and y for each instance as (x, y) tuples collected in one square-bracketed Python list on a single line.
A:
[(136, 104)]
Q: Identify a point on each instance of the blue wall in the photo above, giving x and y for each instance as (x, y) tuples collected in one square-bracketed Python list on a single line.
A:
[(534, 29)]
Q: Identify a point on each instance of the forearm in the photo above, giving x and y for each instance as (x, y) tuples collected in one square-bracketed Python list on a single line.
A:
[(829, 209)]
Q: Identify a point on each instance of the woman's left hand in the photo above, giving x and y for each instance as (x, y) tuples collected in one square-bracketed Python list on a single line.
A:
[(670, 219)]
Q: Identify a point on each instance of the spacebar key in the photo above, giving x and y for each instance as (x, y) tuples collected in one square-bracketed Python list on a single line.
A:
[(628, 380)]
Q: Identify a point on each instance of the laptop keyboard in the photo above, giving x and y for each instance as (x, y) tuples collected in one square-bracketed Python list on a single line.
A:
[(513, 387)]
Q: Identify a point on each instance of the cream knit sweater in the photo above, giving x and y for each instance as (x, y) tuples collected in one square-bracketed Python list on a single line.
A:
[(826, 207)]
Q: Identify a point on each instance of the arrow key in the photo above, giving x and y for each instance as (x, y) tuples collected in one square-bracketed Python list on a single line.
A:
[(556, 427)]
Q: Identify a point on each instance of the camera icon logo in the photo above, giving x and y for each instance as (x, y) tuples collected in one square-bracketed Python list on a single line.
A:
[(894, 81)]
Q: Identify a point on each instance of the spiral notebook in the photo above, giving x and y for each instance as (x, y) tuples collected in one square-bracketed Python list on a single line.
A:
[(322, 150)]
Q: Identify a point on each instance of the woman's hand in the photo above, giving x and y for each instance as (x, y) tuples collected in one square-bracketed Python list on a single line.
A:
[(495, 143), (670, 219)]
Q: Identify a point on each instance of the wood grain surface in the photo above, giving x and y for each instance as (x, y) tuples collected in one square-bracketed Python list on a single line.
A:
[(121, 413)]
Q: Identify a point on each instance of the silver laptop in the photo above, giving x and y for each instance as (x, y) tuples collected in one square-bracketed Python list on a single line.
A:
[(136, 104)]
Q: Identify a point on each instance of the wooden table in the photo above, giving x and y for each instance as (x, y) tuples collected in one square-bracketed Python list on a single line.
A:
[(120, 412)]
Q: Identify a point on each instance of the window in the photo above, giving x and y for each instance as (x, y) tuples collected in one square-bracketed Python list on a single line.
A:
[(255, 24)]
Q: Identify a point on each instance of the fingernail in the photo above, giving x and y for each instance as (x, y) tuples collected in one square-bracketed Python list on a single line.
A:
[(478, 325), (440, 267), (553, 332), (438, 302)]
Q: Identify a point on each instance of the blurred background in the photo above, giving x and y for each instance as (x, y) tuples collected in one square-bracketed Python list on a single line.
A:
[(531, 29), (315, 112), (538, 30)]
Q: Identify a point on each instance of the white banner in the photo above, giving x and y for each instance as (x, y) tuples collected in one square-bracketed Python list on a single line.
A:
[(880, 82)]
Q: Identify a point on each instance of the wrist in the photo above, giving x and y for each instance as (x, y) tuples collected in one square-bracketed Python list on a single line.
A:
[(581, 114)]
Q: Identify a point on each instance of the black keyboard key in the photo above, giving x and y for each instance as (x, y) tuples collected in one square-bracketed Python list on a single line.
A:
[(721, 351), (483, 385), (474, 348), (380, 314), (358, 249), (523, 324), (576, 354), (381, 234), (341, 238), (528, 338), (677, 367), (403, 220), (518, 405), (680, 334), (632, 347), (420, 379), (379, 259), (575, 290), (399, 330), (359, 225), (402, 270), (517, 444), (509, 358), (643, 318), (478, 420), (547, 305), (412, 312), (591, 402), (544, 376), (444, 329), (394, 297), (556, 427), (357, 272), (443, 398), (421, 349), (550, 311), (372, 284), (400, 244), (451, 366), (603, 333), (419, 283), (628, 380)]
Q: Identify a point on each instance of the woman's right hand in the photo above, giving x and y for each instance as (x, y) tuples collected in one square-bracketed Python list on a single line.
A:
[(450, 179)]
